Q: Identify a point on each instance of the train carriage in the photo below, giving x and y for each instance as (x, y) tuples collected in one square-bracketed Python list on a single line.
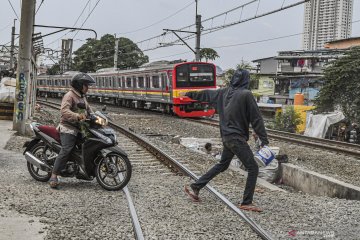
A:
[(156, 85)]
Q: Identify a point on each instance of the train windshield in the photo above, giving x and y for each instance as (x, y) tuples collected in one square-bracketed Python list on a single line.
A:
[(195, 75)]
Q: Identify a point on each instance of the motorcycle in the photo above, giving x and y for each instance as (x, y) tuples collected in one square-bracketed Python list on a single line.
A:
[(94, 155)]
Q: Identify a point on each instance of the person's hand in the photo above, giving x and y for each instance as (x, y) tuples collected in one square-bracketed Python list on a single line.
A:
[(81, 117)]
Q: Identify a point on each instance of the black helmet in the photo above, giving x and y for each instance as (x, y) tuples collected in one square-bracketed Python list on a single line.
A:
[(80, 79)]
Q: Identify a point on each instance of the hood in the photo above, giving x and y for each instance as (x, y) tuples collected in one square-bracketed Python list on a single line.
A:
[(240, 79)]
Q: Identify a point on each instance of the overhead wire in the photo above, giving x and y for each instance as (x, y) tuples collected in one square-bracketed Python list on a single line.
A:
[(2, 29), (217, 28), (87, 17), (73, 24), (157, 22), (13, 9), (268, 39), (42, 1)]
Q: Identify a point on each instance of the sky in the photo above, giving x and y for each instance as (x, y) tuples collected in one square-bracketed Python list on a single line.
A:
[(142, 19)]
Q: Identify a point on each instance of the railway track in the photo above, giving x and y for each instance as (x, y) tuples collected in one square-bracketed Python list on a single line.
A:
[(148, 159), (336, 146)]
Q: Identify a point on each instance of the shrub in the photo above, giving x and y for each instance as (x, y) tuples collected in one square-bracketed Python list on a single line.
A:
[(287, 120)]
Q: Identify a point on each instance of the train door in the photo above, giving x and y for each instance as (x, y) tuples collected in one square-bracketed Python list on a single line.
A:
[(164, 86), (170, 85), (148, 86), (135, 87)]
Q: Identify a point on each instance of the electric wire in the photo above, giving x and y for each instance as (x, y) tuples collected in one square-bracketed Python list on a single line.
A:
[(73, 24), (2, 29), (42, 1), (13, 9), (92, 10), (157, 22)]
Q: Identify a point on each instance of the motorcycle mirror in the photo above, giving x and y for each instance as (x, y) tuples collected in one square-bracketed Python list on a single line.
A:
[(81, 105)]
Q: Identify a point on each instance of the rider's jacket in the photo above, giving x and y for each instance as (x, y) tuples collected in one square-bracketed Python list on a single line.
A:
[(70, 112)]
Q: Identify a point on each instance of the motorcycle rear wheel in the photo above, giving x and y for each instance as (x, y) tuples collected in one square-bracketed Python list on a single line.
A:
[(38, 151), (113, 172)]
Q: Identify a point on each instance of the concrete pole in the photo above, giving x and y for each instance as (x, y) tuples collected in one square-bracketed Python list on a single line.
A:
[(12, 46), (24, 66), (116, 53), (198, 34)]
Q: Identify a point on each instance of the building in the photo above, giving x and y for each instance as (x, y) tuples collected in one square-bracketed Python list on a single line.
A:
[(302, 71), (343, 43), (266, 70), (326, 21)]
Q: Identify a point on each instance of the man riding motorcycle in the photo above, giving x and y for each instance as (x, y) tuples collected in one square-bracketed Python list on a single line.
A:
[(69, 126)]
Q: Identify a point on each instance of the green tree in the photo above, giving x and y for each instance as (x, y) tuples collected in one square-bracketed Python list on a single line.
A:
[(96, 54), (208, 54), (254, 78), (54, 70), (342, 86), (287, 120), (228, 75)]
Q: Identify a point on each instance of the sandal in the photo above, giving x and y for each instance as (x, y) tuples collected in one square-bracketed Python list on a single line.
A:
[(250, 207), (193, 196), (54, 182)]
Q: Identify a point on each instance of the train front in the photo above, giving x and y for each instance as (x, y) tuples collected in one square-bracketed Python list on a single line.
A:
[(192, 76)]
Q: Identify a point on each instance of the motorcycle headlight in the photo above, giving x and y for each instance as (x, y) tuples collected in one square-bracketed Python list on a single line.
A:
[(101, 121)]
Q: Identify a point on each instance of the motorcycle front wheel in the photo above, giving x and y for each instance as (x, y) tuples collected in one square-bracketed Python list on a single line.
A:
[(43, 153), (113, 171)]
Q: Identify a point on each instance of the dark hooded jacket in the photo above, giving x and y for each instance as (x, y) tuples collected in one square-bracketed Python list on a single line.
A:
[(236, 107)]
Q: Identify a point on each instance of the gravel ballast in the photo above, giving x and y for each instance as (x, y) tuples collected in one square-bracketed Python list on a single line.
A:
[(285, 213)]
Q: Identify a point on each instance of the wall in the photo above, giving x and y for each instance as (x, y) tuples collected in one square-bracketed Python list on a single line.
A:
[(266, 86)]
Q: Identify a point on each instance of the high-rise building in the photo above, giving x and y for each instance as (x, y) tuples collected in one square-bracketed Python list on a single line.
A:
[(325, 21)]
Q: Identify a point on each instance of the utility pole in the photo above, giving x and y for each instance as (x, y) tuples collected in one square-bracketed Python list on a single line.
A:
[(198, 33), (116, 53), (23, 77), (12, 46)]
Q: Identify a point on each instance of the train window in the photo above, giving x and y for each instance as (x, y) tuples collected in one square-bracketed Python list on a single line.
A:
[(112, 81), (134, 82), (128, 82), (103, 81), (123, 82), (170, 76), (182, 73), (147, 81), (155, 81), (107, 80), (164, 84), (63, 82), (195, 75), (141, 82), (201, 72), (56, 82)]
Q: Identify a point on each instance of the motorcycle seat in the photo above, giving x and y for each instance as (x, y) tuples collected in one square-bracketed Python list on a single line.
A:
[(50, 131)]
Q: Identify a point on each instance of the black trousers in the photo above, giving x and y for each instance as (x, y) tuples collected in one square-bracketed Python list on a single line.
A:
[(243, 152), (67, 144)]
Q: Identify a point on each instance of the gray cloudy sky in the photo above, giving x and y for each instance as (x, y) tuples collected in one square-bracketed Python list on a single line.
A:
[(120, 16)]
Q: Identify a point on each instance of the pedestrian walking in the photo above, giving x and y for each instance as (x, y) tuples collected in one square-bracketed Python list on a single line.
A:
[(237, 109)]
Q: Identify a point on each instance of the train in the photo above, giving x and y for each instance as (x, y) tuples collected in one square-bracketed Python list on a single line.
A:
[(158, 85)]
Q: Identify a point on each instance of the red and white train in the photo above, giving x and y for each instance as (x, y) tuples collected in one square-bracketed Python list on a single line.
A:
[(157, 85)]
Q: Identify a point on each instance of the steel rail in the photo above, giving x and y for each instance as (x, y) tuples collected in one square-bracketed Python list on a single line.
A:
[(340, 147), (178, 167), (134, 218)]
